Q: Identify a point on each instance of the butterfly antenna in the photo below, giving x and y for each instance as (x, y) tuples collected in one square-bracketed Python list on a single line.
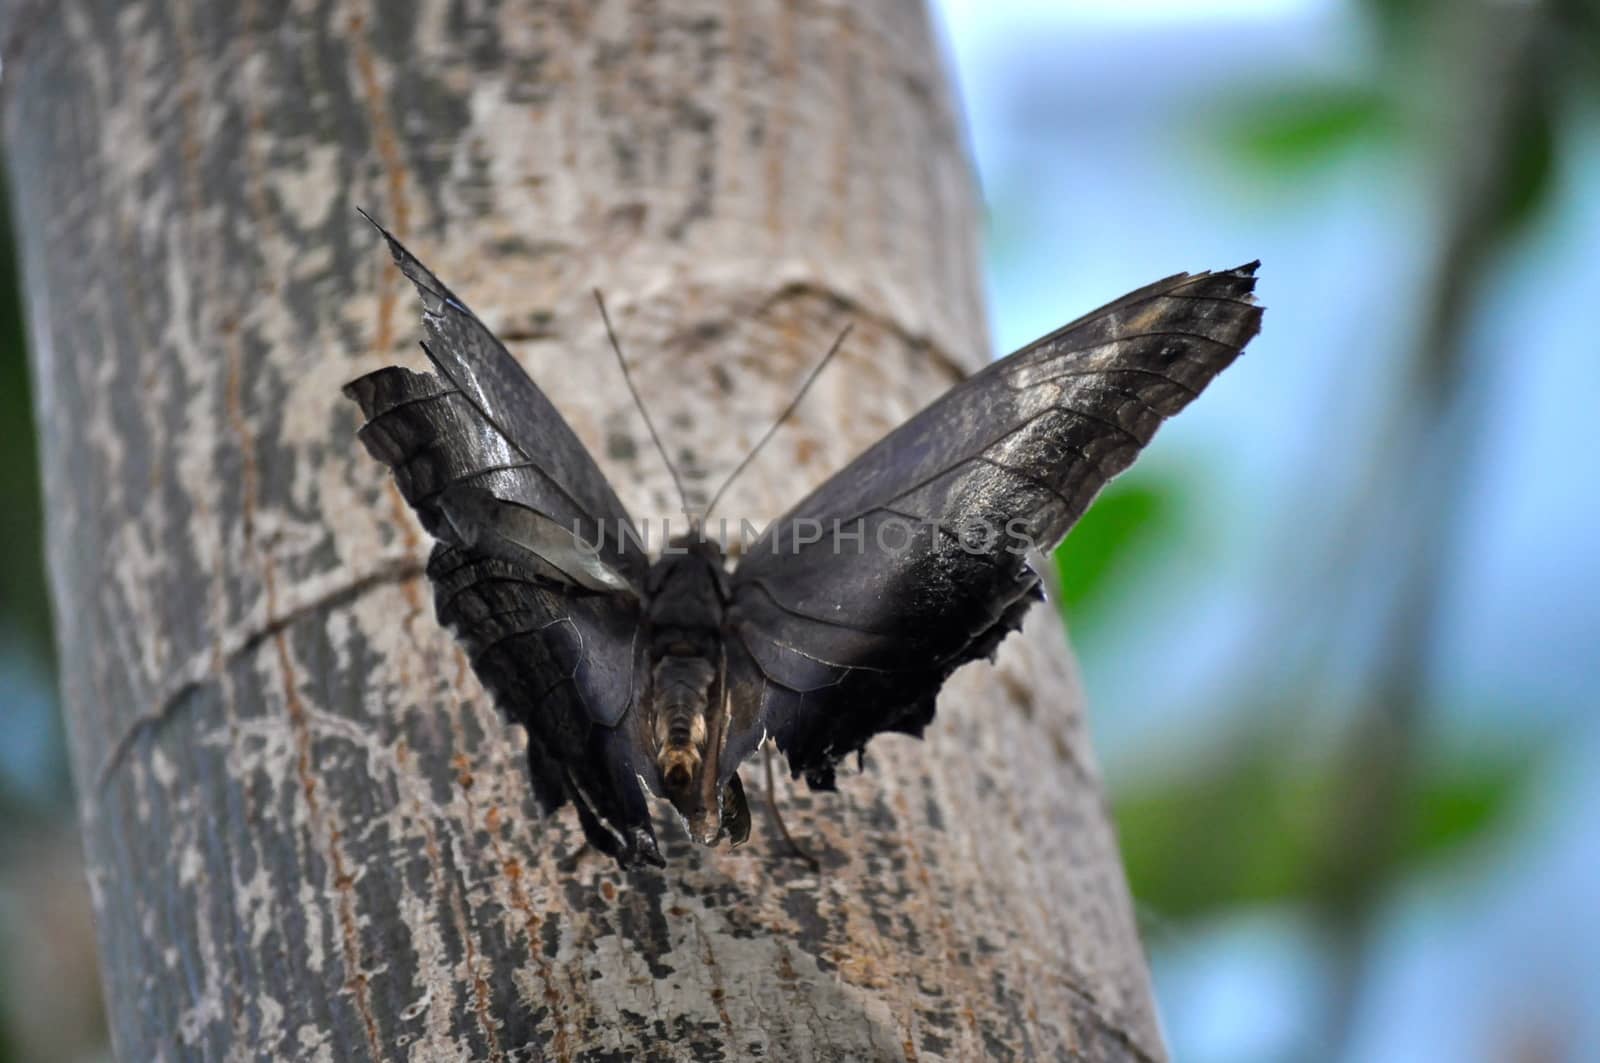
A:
[(637, 401), (782, 417)]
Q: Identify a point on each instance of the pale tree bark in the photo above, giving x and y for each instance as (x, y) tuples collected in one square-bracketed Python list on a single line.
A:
[(308, 833)]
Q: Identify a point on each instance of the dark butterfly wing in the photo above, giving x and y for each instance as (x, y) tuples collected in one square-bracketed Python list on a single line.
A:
[(853, 608), (535, 570), (506, 436)]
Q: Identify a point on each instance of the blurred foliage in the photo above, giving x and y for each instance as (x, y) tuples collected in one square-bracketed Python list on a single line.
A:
[(1530, 169), (24, 619), (24, 601), (1474, 103), (1249, 829), (1135, 516), (1296, 128), (1305, 126), (8, 1048), (24, 607), (1263, 823)]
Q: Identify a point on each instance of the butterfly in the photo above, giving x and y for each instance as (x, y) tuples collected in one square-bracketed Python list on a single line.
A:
[(636, 677)]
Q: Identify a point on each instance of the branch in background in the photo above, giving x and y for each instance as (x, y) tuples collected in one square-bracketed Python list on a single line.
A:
[(1492, 62)]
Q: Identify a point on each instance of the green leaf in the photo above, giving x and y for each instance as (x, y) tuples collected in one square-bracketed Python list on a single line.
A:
[(1462, 800), (1397, 19), (1530, 168), (1234, 836), (1128, 518), (1301, 127), (1249, 829)]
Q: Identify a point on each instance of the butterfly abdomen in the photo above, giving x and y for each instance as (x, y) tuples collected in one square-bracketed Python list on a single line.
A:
[(680, 697)]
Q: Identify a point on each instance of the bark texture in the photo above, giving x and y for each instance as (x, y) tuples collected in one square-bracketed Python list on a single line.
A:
[(308, 833)]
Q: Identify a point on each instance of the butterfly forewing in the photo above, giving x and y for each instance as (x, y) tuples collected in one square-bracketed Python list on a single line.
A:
[(494, 472), (854, 607)]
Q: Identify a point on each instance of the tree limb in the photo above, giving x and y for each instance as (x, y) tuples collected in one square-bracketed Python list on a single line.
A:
[(331, 851)]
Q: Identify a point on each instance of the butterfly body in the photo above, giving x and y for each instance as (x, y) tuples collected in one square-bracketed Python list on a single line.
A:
[(841, 621), (685, 610)]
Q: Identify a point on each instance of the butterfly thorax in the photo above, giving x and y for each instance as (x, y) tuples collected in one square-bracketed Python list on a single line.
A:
[(685, 596)]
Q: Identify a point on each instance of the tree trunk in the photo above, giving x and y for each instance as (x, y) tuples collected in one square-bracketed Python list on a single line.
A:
[(309, 835)]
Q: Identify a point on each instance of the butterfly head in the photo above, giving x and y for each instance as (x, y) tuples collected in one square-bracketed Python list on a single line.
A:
[(696, 544)]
